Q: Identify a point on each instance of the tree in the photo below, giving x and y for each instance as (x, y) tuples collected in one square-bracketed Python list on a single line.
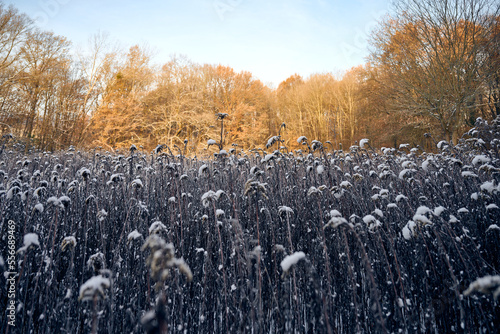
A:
[(430, 55), (13, 33), (120, 120)]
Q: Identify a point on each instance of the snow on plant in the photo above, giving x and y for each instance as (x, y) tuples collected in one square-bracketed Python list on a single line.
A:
[(291, 260), (94, 288), (30, 240), (162, 259), (375, 242), (486, 285)]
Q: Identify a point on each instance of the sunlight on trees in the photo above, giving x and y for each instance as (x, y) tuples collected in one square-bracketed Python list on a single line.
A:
[(434, 68)]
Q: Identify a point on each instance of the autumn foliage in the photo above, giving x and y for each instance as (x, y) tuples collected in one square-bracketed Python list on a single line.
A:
[(434, 67)]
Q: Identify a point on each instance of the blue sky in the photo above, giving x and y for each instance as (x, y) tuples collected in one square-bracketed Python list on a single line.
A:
[(271, 39)]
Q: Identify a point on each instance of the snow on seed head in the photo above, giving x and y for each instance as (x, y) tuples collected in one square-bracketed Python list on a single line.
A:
[(363, 142), (291, 260), (301, 139), (30, 240), (94, 288), (134, 235), (68, 242), (284, 209), (157, 227), (486, 285)]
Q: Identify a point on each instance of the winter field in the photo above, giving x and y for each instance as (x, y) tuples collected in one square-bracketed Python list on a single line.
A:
[(314, 241)]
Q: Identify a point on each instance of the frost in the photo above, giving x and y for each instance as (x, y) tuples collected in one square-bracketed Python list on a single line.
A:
[(291, 260), (493, 227)]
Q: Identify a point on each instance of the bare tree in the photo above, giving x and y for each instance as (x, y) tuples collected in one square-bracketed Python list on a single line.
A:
[(431, 56)]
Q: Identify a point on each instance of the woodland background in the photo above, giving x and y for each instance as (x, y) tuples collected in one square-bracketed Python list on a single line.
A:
[(434, 67)]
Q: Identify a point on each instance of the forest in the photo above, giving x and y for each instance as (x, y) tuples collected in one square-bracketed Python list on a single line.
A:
[(431, 70), (189, 198)]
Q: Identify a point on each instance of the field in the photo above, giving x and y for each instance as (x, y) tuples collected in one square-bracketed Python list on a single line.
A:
[(316, 241)]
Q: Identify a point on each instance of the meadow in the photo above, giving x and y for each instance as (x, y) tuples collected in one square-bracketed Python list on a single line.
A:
[(317, 240)]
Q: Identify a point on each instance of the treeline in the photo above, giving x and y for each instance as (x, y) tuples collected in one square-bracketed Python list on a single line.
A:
[(434, 68)]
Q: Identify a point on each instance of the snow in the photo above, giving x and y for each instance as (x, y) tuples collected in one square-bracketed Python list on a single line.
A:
[(439, 210), (480, 159), (320, 169), (491, 206), (38, 207), (422, 210), (345, 184), (301, 139), (363, 142), (468, 174), (268, 157), (400, 197), (488, 186), (487, 284), (493, 227), (442, 144), (210, 196), (202, 169), (156, 227), (408, 230), (134, 235), (94, 287), (30, 239), (286, 209), (211, 142), (404, 174), (369, 219), (219, 212), (291, 260), (137, 183)]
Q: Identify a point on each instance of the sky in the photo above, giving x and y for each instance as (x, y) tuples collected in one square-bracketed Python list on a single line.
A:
[(272, 39)]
